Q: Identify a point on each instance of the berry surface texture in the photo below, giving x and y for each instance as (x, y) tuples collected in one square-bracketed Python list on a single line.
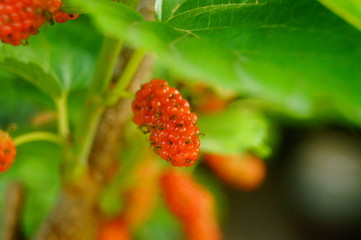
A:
[(19, 19), (161, 110)]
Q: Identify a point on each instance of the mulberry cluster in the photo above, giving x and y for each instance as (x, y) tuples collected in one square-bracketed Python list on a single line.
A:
[(7, 151), (162, 111), (192, 204), (21, 18)]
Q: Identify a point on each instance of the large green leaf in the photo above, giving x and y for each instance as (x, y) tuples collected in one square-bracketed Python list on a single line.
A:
[(296, 55), (59, 58), (350, 10), (164, 8), (285, 51)]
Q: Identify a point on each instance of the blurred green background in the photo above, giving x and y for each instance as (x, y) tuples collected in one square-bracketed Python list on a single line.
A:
[(292, 67)]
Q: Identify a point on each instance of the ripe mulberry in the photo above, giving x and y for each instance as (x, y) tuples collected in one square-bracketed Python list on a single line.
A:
[(7, 151), (162, 111), (21, 18)]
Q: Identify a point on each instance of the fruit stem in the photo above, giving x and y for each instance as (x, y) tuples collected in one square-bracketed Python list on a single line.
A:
[(38, 136)]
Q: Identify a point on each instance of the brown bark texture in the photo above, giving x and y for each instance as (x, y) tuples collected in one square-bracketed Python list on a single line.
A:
[(14, 201)]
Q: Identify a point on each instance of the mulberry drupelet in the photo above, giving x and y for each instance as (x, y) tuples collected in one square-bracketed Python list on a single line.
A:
[(162, 111)]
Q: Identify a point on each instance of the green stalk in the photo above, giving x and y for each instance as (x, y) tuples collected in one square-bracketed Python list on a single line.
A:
[(94, 109), (120, 88), (62, 110), (129, 71), (104, 70), (87, 141), (38, 136)]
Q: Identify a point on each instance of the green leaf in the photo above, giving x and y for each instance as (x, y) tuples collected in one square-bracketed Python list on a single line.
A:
[(59, 58), (350, 10), (24, 61), (164, 9), (292, 54), (111, 17), (71, 49), (233, 131), (207, 15), (22, 96)]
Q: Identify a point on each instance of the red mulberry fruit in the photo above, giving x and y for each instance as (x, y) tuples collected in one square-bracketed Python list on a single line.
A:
[(7, 151), (21, 18), (162, 111)]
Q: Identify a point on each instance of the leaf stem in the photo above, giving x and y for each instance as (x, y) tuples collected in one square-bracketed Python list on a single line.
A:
[(130, 70), (120, 88), (86, 144), (105, 66), (38, 136)]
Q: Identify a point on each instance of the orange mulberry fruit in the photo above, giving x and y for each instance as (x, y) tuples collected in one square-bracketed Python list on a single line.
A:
[(7, 151), (245, 171)]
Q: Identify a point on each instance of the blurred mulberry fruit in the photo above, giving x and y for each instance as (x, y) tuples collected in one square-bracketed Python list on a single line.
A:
[(192, 204), (162, 111), (140, 200), (113, 229), (7, 151), (245, 171)]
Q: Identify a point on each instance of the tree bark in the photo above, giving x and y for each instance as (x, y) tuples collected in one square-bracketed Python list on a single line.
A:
[(75, 215), (14, 201)]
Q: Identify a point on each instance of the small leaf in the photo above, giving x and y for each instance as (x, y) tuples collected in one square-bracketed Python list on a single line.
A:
[(233, 131), (24, 61)]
